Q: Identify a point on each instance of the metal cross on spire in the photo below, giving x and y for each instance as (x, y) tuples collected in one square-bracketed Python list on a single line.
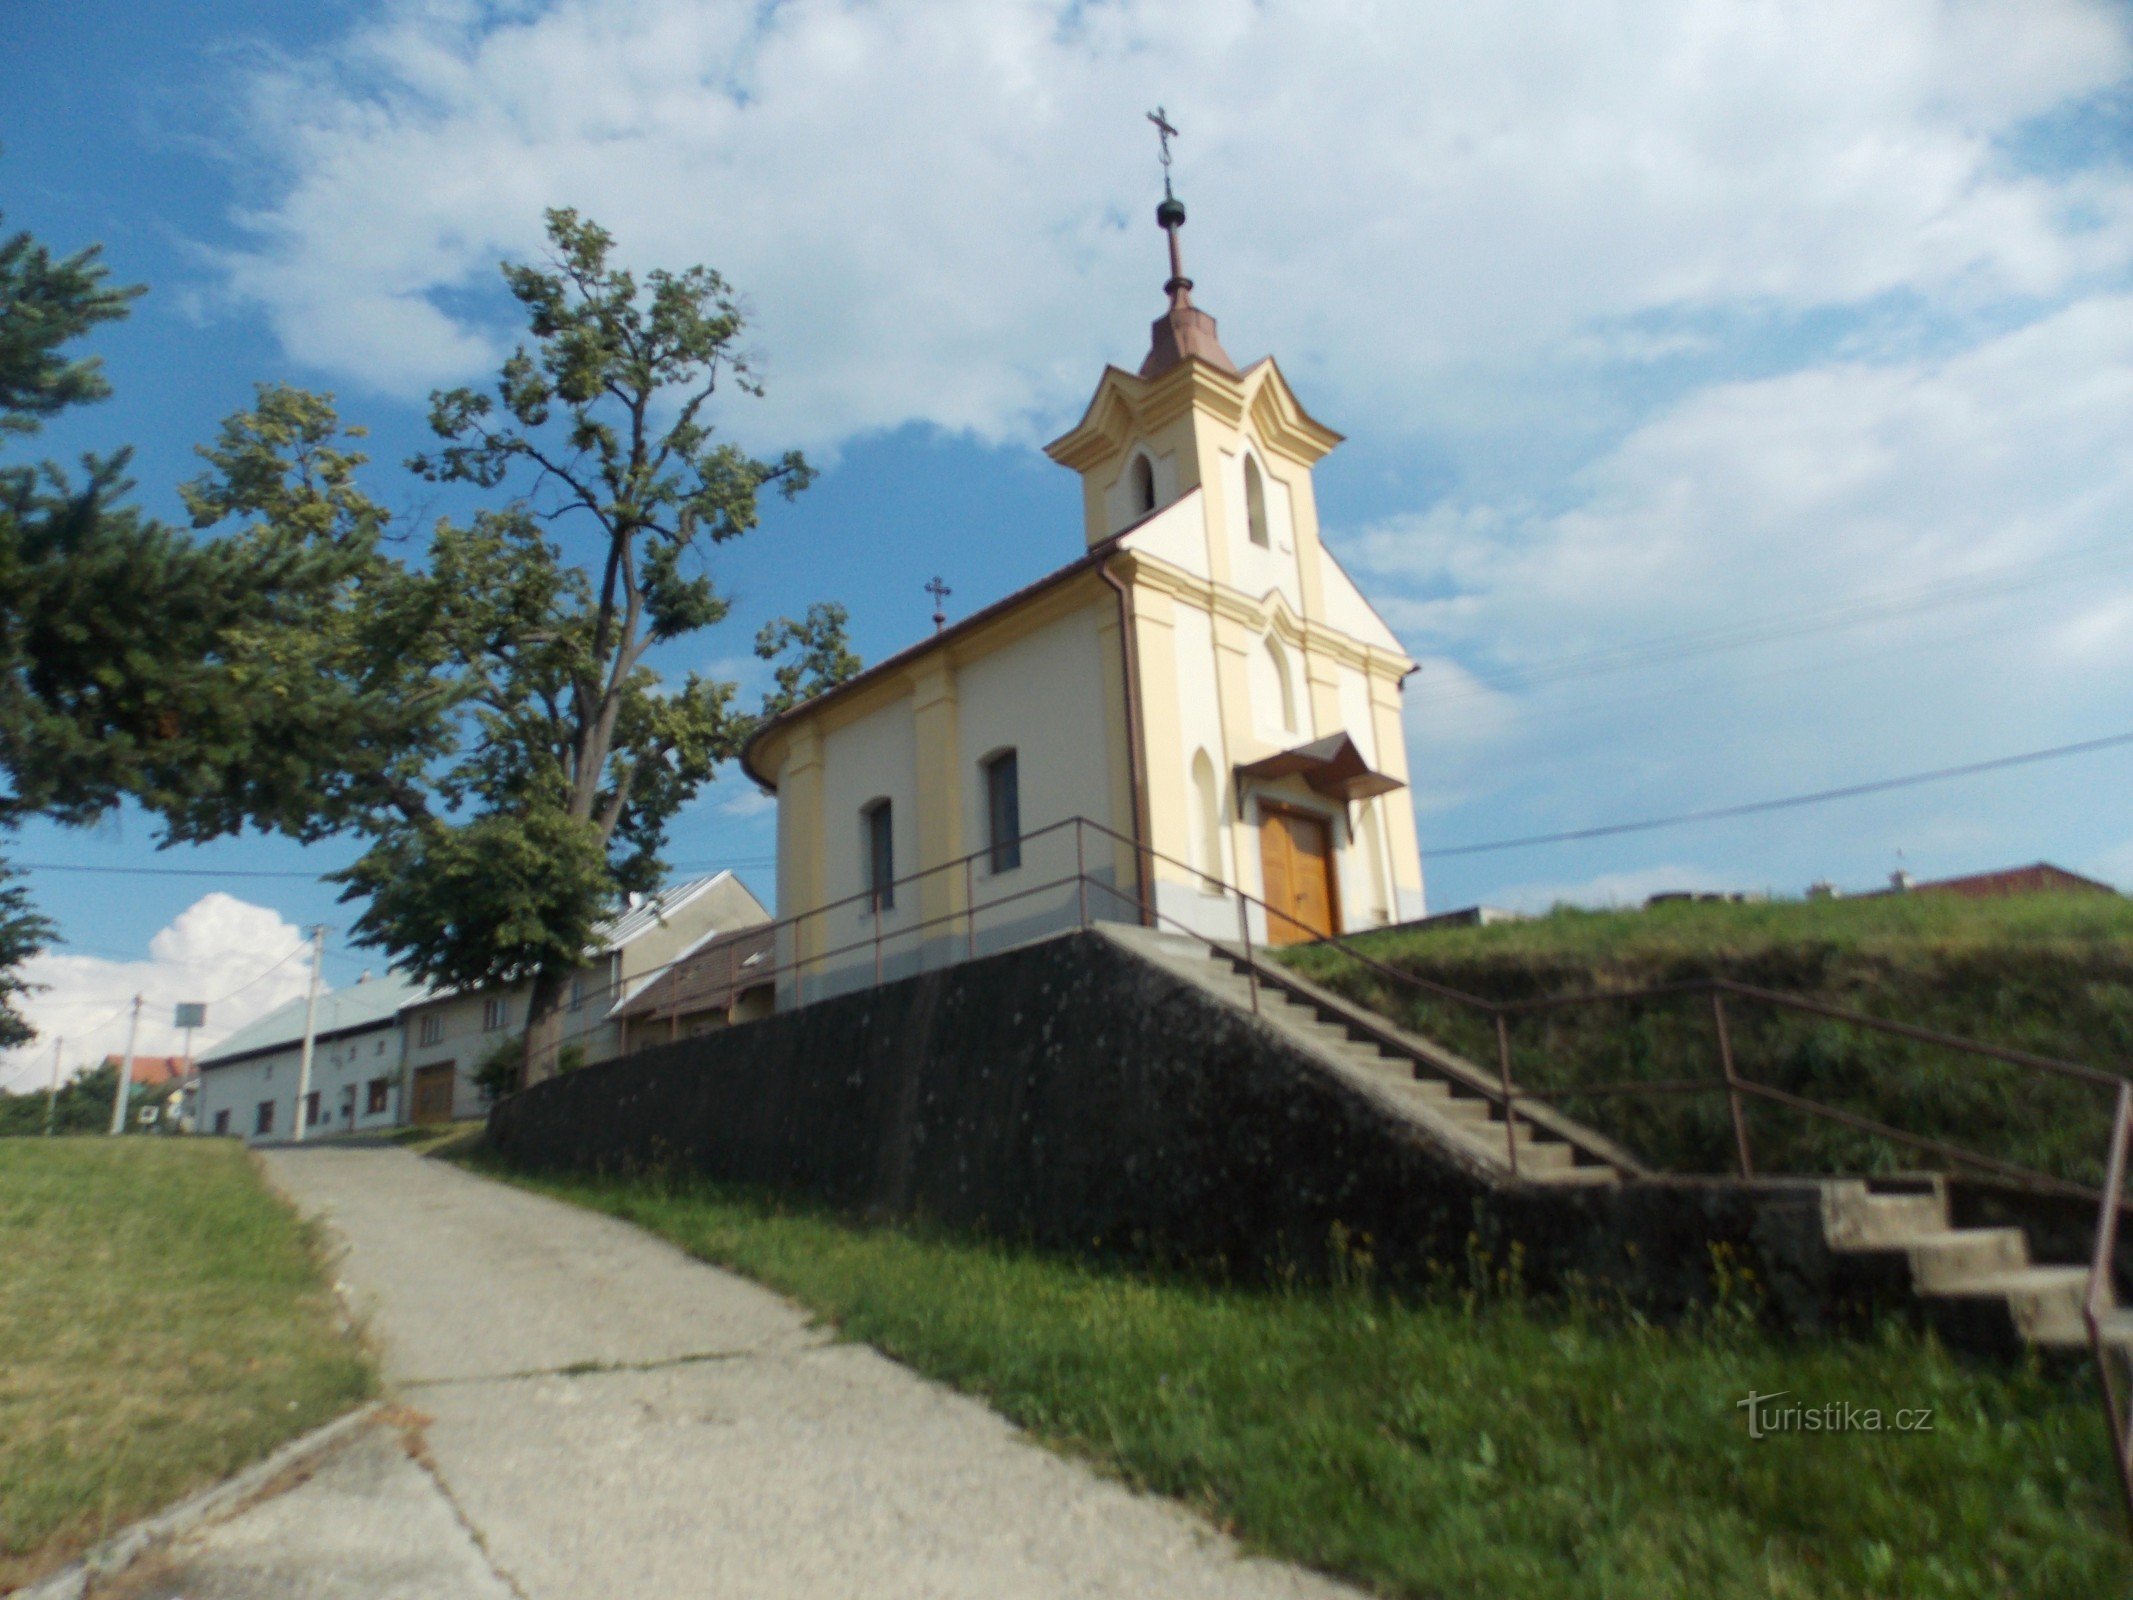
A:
[(1170, 215), (1164, 133), (940, 592)]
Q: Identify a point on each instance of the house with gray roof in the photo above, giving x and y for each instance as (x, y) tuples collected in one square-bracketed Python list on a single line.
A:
[(451, 1033), (249, 1082)]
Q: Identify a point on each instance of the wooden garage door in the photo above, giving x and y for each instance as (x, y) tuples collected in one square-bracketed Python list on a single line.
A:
[(432, 1099), (1296, 855)]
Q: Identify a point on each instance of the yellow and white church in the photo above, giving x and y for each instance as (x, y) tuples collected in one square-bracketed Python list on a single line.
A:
[(1204, 686)]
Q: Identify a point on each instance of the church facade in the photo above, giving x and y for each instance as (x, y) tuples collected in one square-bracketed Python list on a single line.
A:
[(1203, 684)]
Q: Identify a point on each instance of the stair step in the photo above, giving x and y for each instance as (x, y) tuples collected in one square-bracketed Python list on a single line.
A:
[(1468, 1108), (1949, 1258), (2045, 1302), (1855, 1216), (1535, 1159), (1592, 1174), (2116, 1328)]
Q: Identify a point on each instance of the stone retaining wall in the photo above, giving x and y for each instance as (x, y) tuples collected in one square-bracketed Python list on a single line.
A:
[(1070, 1095)]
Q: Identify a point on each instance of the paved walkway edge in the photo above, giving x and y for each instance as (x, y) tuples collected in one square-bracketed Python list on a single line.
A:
[(124, 1548)]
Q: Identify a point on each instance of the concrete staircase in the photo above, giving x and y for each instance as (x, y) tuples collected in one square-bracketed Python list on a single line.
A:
[(1445, 1096), (1977, 1285)]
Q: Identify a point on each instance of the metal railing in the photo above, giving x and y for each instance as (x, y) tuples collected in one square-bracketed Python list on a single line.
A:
[(2100, 1301)]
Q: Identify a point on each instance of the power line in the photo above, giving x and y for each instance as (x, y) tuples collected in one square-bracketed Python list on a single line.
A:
[(1878, 786), (259, 978), (254, 872), (160, 872)]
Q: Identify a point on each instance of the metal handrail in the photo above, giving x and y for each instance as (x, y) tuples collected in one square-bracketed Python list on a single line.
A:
[(2101, 1297)]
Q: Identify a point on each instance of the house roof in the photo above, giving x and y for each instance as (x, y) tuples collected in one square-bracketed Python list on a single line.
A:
[(369, 1004), (708, 976), (2040, 877), (625, 927), (633, 923), (148, 1071)]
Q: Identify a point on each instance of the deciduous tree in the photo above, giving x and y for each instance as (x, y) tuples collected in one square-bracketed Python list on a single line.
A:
[(544, 795)]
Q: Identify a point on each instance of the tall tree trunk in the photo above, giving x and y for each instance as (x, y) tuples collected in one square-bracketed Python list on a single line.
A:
[(544, 1029)]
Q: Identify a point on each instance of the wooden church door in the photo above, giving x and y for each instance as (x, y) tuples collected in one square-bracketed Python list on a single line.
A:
[(1296, 857)]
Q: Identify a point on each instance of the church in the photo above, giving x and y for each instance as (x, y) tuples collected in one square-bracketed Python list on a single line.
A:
[(1203, 686)]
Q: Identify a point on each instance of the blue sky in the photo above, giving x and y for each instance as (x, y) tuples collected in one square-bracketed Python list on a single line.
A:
[(1736, 395)]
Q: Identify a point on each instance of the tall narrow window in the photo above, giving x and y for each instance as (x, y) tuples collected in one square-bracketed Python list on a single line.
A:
[(1285, 690), (1143, 486), (881, 856), (1255, 502), (1003, 811), (1207, 821), (1374, 863)]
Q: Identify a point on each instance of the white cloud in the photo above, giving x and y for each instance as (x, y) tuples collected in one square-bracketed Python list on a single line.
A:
[(1965, 515), (941, 210), (242, 958)]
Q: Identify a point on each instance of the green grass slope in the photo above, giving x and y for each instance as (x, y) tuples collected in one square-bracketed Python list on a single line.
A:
[(164, 1321), (1466, 1445), (2051, 974)]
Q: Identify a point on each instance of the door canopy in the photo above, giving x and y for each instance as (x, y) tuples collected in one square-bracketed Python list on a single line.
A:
[(1332, 765)]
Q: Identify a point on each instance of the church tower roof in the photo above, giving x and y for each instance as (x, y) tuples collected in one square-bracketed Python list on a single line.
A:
[(1184, 330)]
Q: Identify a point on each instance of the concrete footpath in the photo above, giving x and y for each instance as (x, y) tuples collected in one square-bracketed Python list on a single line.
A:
[(581, 1411)]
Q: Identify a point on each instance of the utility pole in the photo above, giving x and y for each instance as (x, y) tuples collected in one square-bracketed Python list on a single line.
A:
[(51, 1095), (125, 1075), (303, 1071)]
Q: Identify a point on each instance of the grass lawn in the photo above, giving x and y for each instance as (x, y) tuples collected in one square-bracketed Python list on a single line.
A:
[(1465, 1445), (2051, 973), (164, 1321)]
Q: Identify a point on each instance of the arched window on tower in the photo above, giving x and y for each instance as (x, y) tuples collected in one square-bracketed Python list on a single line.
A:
[(1255, 502), (1143, 486)]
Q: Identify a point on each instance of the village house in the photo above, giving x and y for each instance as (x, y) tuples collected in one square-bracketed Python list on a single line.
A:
[(249, 1082), (1204, 684), (725, 979), (450, 1033)]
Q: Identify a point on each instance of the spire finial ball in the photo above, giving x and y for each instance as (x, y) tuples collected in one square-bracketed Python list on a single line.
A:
[(1171, 213)]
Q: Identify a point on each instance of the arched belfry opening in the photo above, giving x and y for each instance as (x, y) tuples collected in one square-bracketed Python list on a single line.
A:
[(1142, 476), (1255, 503)]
